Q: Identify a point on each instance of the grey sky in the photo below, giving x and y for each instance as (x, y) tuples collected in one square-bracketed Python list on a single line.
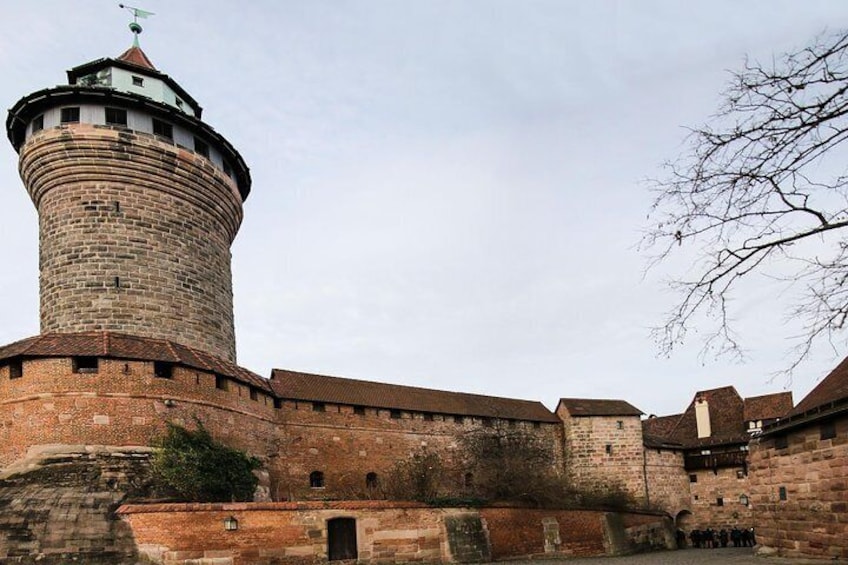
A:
[(446, 193)]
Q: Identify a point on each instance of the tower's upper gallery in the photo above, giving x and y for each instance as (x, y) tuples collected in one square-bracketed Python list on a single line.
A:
[(127, 92)]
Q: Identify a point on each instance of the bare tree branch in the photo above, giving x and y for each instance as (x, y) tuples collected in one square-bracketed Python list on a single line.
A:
[(753, 185)]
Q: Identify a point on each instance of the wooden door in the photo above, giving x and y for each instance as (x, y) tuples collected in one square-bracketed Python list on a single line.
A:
[(341, 539)]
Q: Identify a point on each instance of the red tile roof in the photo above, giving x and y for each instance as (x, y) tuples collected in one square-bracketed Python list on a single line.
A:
[(768, 406), (135, 56), (294, 385), (123, 346), (833, 389), (580, 407), (660, 426), (727, 422)]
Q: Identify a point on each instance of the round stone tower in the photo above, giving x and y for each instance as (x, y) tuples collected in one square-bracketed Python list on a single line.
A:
[(138, 202)]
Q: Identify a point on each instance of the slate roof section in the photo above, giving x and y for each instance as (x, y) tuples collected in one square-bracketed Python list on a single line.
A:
[(586, 407), (768, 406), (115, 345), (727, 422), (293, 385), (135, 56)]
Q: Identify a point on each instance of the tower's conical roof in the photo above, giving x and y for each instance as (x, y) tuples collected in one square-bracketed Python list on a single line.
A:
[(135, 56)]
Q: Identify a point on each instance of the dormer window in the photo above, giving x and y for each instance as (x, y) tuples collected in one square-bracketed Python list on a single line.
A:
[(138, 81)]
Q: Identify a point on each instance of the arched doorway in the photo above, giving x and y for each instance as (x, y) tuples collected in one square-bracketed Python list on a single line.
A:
[(683, 520), (341, 539)]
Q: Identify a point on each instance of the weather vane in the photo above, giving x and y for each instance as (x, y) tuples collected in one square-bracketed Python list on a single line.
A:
[(135, 27)]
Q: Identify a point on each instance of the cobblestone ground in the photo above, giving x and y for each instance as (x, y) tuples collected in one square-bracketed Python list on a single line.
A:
[(734, 556)]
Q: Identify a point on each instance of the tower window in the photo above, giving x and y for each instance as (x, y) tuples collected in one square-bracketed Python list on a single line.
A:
[(228, 170), (827, 430), (221, 382), (608, 448), (371, 481), (254, 394), (468, 480), (781, 493), (163, 370), (458, 419), (163, 128), (16, 368), (138, 81), (38, 123), (85, 364), (201, 147), (719, 501), (427, 416), (116, 117), (619, 424), (693, 478), (319, 407), (316, 479), (537, 425), (278, 403), (359, 410), (395, 414), (70, 115)]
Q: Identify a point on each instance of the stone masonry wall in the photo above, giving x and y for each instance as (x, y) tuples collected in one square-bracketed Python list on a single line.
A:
[(668, 482), (604, 451), (813, 519), (727, 484), (135, 236)]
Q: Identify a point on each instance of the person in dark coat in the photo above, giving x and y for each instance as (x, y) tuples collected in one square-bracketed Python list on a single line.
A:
[(695, 536), (736, 536), (722, 537)]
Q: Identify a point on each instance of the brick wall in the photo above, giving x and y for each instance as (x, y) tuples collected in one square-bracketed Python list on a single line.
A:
[(135, 236), (385, 532), (605, 451), (813, 518)]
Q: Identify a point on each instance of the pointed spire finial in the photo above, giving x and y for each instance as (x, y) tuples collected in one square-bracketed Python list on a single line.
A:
[(135, 27)]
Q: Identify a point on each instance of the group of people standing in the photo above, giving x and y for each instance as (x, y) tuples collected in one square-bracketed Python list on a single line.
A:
[(712, 539)]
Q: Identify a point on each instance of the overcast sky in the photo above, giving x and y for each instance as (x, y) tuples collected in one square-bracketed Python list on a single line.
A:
[(446, 194)]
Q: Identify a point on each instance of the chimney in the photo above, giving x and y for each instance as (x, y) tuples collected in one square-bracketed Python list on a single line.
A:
[(702, 417)]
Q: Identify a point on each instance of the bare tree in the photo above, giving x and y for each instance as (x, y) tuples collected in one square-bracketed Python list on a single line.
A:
[(762, 188)]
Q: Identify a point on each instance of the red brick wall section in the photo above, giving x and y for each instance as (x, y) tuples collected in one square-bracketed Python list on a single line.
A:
[(813, 519), (516, 532), (128, 205)]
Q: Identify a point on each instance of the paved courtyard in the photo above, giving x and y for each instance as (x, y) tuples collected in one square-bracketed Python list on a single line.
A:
[(734, 556)]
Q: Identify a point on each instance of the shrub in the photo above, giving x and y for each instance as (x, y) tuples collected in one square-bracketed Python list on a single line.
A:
[(193, 467)]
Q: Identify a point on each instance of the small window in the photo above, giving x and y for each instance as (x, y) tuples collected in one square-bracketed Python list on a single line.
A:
[(511, 423), (619, 424), (693, 478), (781, 442), (138, 81), (359, 410), (458, 419), (537, 425), (85, 364), (254, 394), (37, 123), (163, 370), (695, 497), (428, 417), (828, 430), (371, 481), (163, 129), (116, 116), (781, 493), (719, 501), (227, 169), (487, 422), (319, 407), (469, 480), (222, 382), (278, 403), (608, 449), (316, 479), (70, 115), (740, 474), (201, 147), (16, 368), (179, 103), (395, 414)]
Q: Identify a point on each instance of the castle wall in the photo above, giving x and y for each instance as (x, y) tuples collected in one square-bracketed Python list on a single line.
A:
[(134, 236), (605, 451), (123, 403), (813, 519), (715, 498), (668, 482), (346, 446)]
